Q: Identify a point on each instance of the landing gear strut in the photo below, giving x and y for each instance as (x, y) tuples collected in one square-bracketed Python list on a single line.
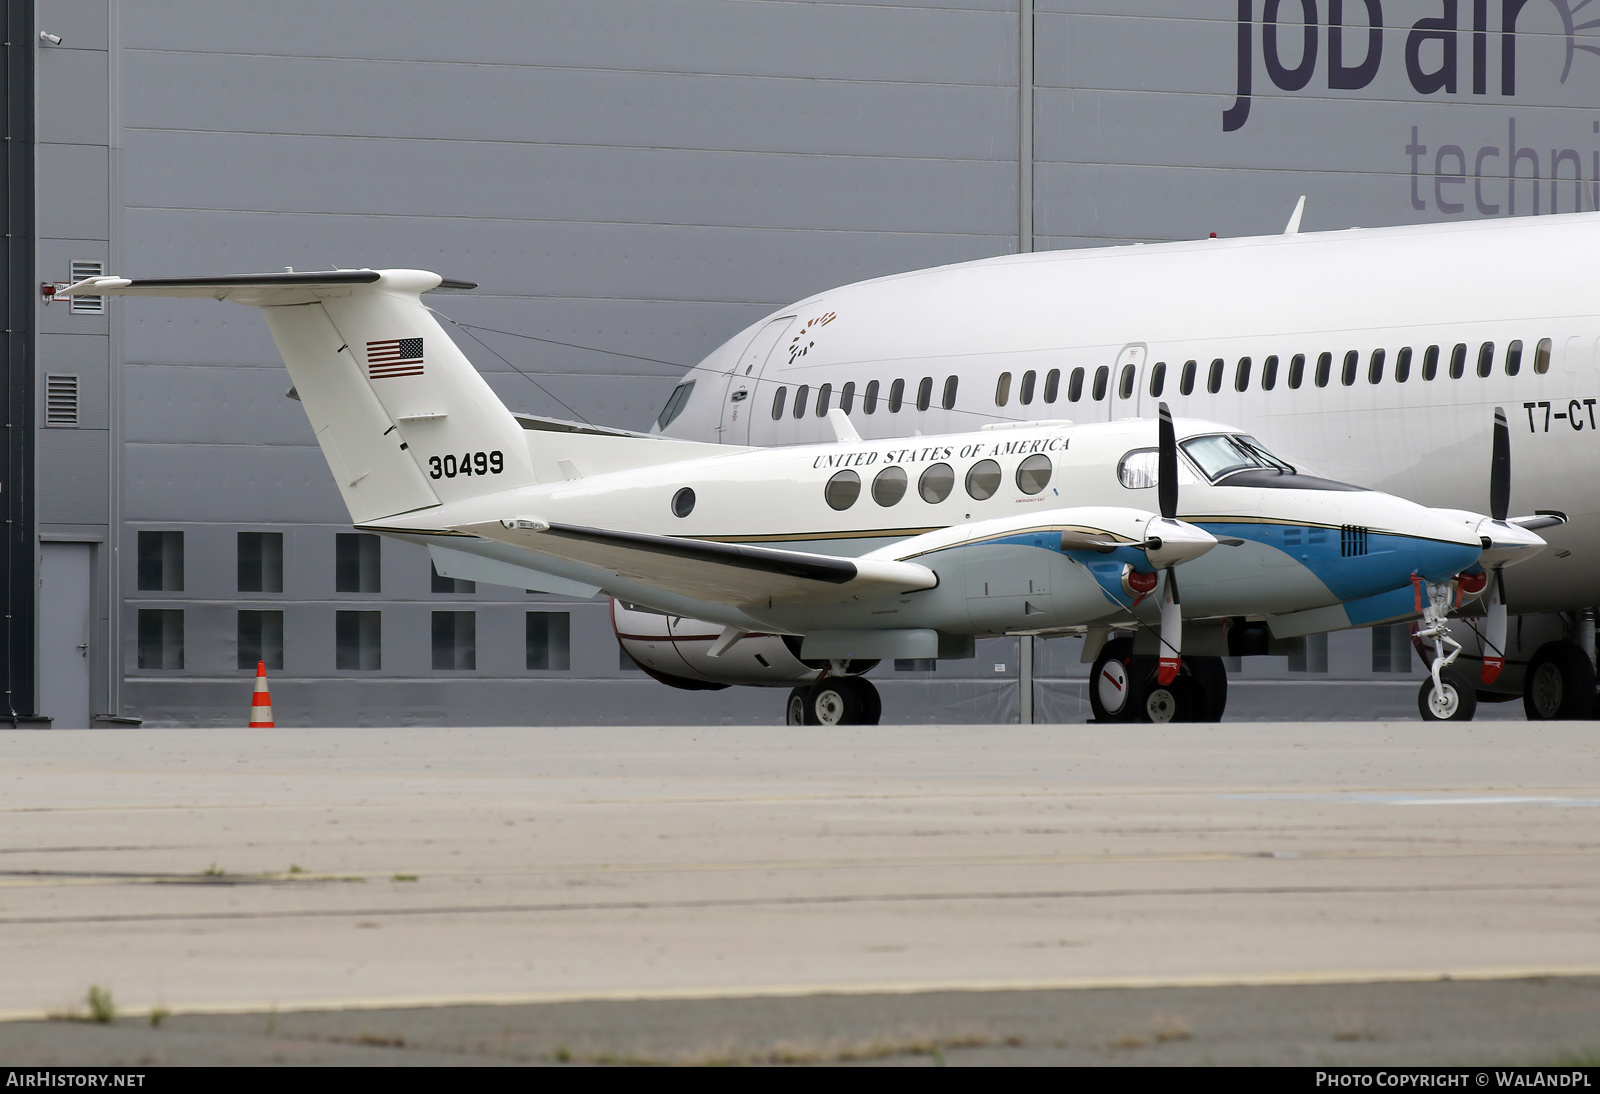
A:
[(1447, 695)]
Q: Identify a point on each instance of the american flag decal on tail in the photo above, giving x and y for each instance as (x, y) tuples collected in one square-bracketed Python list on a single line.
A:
[(394, 357)]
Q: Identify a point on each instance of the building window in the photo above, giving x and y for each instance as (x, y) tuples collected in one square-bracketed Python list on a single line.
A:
[(260, 562), (442, 584), (356, 563), (455, 640), (1391, 648), (160, 638), (358, 641), (260, 639), (1315, 656), (161, 562), (549, 641)]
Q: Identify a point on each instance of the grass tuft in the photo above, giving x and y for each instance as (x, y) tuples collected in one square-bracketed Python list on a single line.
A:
[(101, 1008), (158, 1015)]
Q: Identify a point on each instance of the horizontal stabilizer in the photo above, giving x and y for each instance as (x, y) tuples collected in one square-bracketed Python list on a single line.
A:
[(261, 290), (720, 573)]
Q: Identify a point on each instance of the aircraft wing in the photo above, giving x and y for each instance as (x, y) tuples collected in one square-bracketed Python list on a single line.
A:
[(719, 573)]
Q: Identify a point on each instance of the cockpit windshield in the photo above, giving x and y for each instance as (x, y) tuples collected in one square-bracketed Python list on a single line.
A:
[(1223, 454)]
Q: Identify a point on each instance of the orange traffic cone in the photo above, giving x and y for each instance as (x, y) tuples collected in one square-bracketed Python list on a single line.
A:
[(261, 702)]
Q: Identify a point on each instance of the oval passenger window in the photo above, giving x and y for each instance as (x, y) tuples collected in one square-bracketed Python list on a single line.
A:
[(842, 490), (936, 483), (1033, 473), (890, 486), (983, 480)]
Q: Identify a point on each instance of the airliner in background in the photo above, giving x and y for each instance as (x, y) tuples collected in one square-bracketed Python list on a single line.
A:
[(1376, 356)]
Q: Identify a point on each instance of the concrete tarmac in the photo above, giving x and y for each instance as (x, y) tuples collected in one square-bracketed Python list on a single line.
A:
[(228, 872)]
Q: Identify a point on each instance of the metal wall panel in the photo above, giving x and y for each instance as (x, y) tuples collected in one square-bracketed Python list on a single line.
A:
[(74, 466), (74, 186), (83, 356), (74, 92)]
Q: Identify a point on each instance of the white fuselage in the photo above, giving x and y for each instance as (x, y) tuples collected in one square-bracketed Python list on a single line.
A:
[(994, 332)]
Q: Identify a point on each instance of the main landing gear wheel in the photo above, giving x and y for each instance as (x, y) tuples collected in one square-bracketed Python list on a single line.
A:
[(1211, 681), (1114, 681), (1457, 701), (1560, 684), (794, 710), (836, 701), (1178, 701)]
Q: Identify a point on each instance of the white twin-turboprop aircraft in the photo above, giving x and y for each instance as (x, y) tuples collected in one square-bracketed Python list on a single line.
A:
[(856, 550)]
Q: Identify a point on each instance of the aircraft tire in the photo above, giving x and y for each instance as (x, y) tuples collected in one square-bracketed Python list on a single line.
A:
[(1211, 677), (1179, 701), (1121, 682), (794, 708), (872, 702), (1458, 704), (1560, 684), (837, 701)]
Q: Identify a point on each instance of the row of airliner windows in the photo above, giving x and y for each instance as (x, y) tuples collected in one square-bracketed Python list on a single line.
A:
[(869, 397), (936, 482), (1350, 371)]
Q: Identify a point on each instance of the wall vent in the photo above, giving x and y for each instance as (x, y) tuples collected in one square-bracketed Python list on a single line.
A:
[(80, 269), (61, 401)]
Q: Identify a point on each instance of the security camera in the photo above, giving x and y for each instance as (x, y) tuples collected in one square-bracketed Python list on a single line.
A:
[(46, 36)]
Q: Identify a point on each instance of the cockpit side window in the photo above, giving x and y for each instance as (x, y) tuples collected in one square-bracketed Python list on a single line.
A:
[(675, 404)]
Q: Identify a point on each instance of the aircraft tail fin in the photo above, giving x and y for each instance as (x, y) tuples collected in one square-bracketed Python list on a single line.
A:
[(404, 420)]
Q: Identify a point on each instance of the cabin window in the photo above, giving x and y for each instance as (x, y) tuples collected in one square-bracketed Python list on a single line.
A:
[(1297, 370), (1033, 473), (897, 396), (1158, 379), (936, 483), (847, 397), (1541, 357), (842, 490), (1375, 367), (824, 400), (1347, 375), (1402, 365), (1025, 393), (683, 502), (1075, 386), (1102, 380), (1241, 375), (1186, 380), (869, 400), (1485, 359), (801, 394), (1514, 358), (1324, 369), (777, 402), (1214, 377), (983, 480), (1430, 363), (1052, 385), (950, 392), (1140, 469), (1269, 373), (1130, 374), (1002, 389), (925, 393), (890, 486), (1458, 361)]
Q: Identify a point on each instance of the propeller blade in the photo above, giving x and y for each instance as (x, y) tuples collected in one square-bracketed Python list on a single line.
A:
[(1544, 518), (1167, 466), (1494, 633), (1500, 468), (1171, 632)]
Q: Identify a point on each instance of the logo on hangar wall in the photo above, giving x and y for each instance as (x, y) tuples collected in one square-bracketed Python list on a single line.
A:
[(1452, 49)]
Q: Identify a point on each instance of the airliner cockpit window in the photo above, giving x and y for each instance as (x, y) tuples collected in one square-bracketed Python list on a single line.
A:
[(1222, 455), (1141, 469), (675, 404)]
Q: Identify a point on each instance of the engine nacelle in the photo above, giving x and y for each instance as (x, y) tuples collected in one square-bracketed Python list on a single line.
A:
[(675, 650)]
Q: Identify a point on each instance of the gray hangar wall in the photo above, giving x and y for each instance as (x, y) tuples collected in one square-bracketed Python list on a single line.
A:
[(633, 181)]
